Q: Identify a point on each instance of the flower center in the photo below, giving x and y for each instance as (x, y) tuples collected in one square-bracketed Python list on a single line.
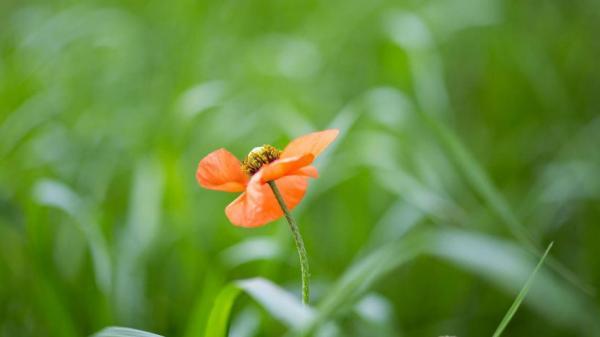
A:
[(258, 157)]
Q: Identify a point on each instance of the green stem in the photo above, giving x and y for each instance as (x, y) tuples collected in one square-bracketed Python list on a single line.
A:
[(299, 243)]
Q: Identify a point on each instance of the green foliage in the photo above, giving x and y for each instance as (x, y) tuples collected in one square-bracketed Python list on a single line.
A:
[(469, 141), (123, 332), (279, 303), (218, 320)]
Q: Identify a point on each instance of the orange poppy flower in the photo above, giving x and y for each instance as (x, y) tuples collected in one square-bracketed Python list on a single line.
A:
[(290, 169)]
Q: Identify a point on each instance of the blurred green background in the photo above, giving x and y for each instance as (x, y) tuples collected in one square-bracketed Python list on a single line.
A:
[(469, 142)]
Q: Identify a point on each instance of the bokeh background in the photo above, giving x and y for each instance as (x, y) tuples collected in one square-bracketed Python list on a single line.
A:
[(469, 142)]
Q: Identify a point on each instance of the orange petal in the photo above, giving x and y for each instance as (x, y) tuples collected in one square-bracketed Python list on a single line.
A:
[(307, 171), (220, 170), (282, 167), (313, 143), (236, 210), (261, 206)]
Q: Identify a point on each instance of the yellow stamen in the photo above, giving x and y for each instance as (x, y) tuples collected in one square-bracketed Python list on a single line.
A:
[(258, 157)]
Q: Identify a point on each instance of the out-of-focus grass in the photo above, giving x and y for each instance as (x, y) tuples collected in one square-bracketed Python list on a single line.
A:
[(106, 108)]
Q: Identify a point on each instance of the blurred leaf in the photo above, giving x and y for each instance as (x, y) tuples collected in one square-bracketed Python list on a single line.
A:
[(420, 196), (200, 97), (201, 313), (507, 265), (246, 324), (387, 229), (409, 31), (479, 180), (30, 115), (279, 304), (138, 236), (282, 305), (252, 249), (377, 314), (56, 194), (218, 320), (123, 332)]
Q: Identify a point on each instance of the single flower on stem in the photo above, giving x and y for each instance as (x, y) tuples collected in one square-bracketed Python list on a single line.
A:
[(272, 183)]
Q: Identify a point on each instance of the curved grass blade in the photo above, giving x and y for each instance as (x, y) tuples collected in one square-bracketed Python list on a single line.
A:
[(115, 331), (513, 308), (279, 303), (56, 194), (218, 320)]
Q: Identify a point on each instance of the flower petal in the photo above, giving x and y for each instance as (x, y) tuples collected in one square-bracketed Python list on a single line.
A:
[(282, 167), (307, 171), (220, 170), (236, 210), (313, 143), (262, 207)]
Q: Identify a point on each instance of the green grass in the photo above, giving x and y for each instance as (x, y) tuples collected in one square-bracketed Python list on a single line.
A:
[(468, 140)]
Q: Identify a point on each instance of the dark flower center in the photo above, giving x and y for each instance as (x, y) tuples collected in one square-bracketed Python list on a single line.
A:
[(258, 157)]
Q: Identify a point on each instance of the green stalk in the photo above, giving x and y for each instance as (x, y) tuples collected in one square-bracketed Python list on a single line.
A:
[(513, 308), (299, 243)]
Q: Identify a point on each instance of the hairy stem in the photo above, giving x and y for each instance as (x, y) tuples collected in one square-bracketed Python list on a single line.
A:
[(299, 243)]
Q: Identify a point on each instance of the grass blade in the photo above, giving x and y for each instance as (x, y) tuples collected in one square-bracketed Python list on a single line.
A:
[(54, 193), (218, 321), (279, 303), (513, 308), (115, 331)]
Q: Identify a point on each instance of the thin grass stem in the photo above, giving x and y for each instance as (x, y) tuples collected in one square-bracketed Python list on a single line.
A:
[(513, 308)]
